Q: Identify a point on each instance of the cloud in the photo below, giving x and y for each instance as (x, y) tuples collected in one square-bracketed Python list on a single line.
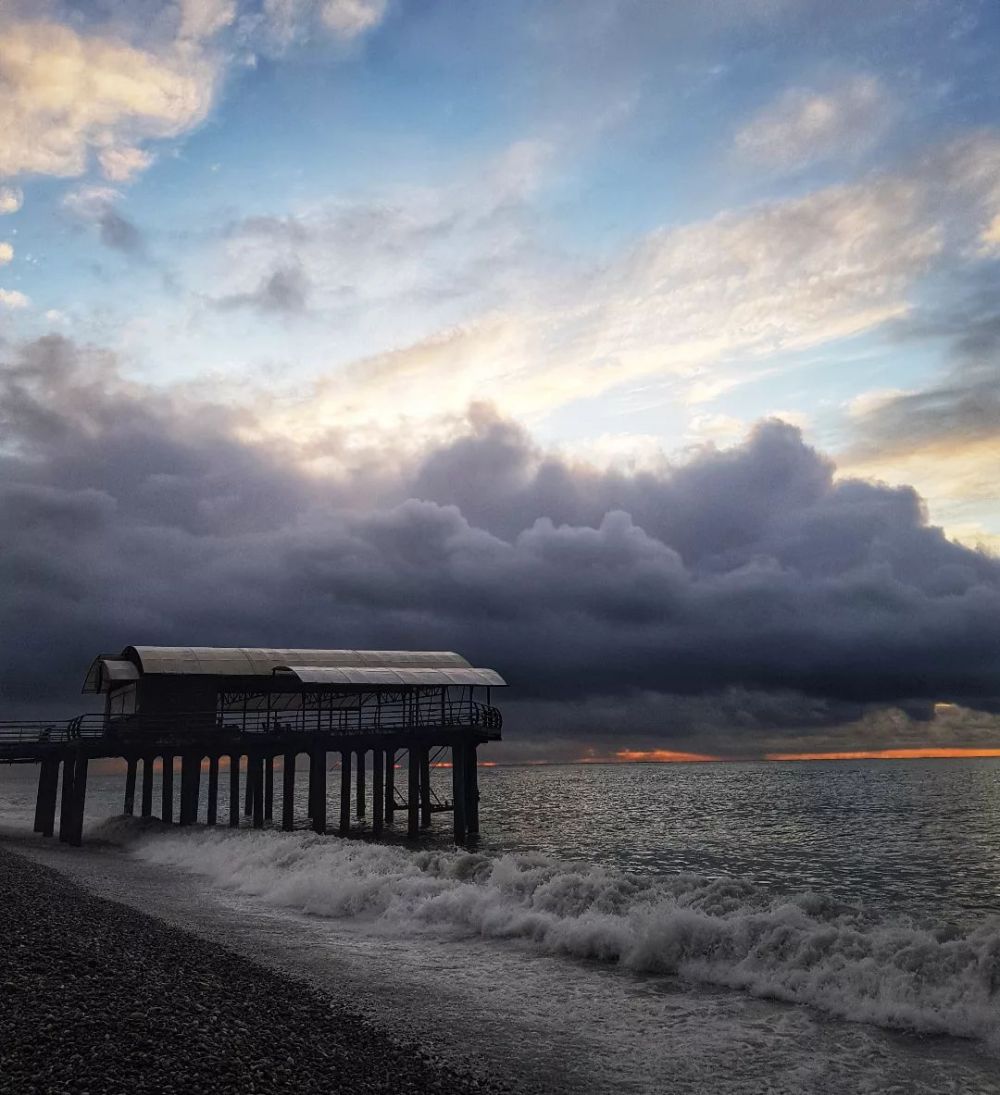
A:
[(290, 21), (96, 205), (747, 579), (11, 199), (284, 291), (13, 298), (122, 164), (67, 94), (696, 309), (805, 126), (6, 252)]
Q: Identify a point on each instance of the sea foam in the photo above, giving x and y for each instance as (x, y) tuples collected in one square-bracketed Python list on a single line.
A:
[(800, 948)]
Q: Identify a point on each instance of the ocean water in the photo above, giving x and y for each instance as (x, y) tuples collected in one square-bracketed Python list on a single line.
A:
[(705, 928)]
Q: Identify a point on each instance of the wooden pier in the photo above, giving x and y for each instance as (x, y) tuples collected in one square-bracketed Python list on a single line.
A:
[(262, 713)]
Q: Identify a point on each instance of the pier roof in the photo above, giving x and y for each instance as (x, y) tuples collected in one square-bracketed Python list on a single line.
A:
[(377, 667)]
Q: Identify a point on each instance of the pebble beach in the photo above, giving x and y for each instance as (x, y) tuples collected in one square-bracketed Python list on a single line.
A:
[(97, 997)]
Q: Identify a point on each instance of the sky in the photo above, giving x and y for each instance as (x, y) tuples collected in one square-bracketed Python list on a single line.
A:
[(648, 353)]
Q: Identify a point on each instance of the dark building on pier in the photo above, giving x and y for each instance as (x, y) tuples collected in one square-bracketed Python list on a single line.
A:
[(250, 707)]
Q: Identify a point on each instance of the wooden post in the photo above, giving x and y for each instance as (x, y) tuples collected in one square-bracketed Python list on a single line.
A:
[(147, 786), (212, 813), (79, 799), (129, 808), (45, 804), (248, 790), (257, 779), (269, 789), (288, 792), (390, 784), (189, 788), (317, 771), (167, 789), (471, 789), (425, 787), (66, 798), (378, 790), (234, 790), (360, 795), (458, 764), (345, 793), (412, 792)]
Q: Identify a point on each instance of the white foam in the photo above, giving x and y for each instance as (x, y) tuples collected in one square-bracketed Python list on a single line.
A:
[(802, 948)]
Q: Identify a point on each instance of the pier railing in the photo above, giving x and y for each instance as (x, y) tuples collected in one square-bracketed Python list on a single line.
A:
[(409, 715)]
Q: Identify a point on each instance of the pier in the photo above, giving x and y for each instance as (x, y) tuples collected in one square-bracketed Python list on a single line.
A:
[(251, 714)]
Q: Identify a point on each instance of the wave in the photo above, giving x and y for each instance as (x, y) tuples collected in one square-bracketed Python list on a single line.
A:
[(803, 948)]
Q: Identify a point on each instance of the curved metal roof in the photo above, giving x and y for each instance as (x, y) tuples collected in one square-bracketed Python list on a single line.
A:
[(395, 675), (258, 661)]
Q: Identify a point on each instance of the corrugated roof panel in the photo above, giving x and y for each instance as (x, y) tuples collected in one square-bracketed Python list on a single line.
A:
[(261, 661), (387, 675)]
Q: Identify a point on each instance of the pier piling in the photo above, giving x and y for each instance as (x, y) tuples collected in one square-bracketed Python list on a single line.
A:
[(146, 809), (66, 798), (412, 792), (390, 785), (378, 790), (129, 808), (257, 781), (45, 802), (269, 788), (345, 793), (317, 765), (360, 793), (288, 791), (234, 790), (79, 799), (458, 765), (167, 789), (212, 809), (425, 786), (472, 790)]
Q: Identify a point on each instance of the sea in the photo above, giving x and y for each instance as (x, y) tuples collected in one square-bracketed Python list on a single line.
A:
[(706, 928)]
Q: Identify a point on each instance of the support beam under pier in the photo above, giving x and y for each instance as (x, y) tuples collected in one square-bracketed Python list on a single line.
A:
[(472, 789), (412, 791), (390, 784), (167, 789), (317, 772), (79, 800), (66, 798), (269, 789), (458, 766), (288, 791), (359, 797), (234, 790), (147, 786), (257, 785), (129, 807), (212, 813), (425, 787), (378, 790), (45, 804), (345, 793)]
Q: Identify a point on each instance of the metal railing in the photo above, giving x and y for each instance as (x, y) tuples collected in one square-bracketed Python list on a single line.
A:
[(408, 715)]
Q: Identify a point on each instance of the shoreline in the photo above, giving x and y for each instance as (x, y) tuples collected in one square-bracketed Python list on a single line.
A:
[(101, 997)]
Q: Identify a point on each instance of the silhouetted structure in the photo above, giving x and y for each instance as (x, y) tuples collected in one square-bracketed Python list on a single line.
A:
[(244, 708)]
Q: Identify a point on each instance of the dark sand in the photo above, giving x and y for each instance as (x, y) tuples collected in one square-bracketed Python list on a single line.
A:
[(97, 997)]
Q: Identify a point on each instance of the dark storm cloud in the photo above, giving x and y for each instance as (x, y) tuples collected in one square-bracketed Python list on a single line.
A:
[(747, 580)]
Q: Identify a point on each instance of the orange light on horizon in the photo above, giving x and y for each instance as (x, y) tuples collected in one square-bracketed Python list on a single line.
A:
[(927, 753), (649, 756)]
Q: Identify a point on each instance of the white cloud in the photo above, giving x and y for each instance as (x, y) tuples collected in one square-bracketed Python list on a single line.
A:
[(66, 94), (12, 298), (11, 199), (122, 164), (6, 252), (349, 18), (202, 19), (804, 126), (288, 21)]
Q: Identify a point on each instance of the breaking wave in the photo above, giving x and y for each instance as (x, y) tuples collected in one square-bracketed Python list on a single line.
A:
[(802, 948)]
